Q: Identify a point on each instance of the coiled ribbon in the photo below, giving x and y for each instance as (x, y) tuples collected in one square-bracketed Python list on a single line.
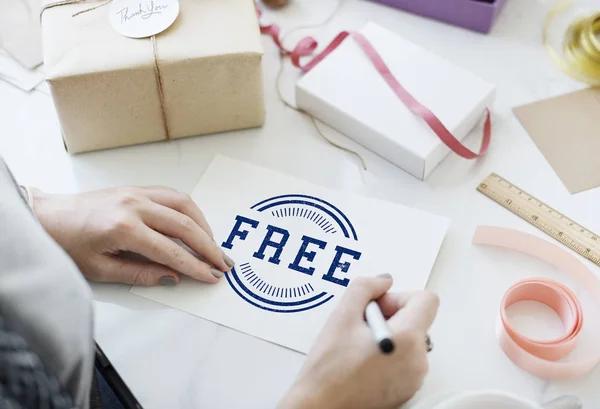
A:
[(540, 358), (558, 297), (580, 54), (307, 45)]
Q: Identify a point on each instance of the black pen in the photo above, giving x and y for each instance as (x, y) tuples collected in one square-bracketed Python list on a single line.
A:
[(115, 381), (381, 332), (379, 328)]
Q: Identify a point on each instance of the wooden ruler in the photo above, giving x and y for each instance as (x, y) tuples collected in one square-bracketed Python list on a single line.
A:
[(542, 216)]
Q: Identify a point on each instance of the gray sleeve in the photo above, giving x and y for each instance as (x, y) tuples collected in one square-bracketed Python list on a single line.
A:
[(24, 382), (43, 296)]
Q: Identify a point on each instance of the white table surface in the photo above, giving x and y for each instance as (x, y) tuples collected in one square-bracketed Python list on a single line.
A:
[(173, 360)]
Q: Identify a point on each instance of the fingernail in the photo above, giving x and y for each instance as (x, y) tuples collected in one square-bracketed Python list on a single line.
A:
[(429, 344), (216, 273), (385, 275), (167, 281), (228, 260)]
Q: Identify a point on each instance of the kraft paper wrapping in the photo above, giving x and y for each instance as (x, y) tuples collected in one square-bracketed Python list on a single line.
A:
[(104, 84)]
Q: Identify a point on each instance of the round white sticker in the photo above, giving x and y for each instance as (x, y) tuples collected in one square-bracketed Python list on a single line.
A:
[(142, 18)]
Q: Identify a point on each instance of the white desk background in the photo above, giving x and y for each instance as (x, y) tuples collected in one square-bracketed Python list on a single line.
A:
[(173, 360)]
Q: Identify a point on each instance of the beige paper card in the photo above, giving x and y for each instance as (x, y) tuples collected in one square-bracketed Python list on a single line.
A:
[(297, 246), (567, 131)]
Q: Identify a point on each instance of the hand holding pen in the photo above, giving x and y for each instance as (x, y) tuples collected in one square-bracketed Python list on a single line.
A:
[(381, 333), (346, 367)]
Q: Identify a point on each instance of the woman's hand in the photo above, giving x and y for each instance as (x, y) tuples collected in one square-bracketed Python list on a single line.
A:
[(98, 228), (346, 369)]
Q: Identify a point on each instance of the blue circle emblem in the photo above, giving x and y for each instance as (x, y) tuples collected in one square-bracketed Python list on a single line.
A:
[(256, 289)]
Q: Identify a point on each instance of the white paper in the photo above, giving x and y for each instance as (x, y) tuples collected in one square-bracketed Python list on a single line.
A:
[(379, 237), (43, 88), (12, 72), (20, 31)]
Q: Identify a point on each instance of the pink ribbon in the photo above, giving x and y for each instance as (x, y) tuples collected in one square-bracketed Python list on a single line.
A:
[(306, 47), (543, 358), (556, 296)]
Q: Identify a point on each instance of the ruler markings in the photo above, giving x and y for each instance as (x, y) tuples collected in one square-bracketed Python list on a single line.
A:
[(542, 216)]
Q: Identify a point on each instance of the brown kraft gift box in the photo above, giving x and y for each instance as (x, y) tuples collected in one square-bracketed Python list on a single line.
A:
[(106, 87)]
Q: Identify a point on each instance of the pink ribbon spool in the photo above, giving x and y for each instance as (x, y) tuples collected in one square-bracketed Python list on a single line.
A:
[(556, 296), (541, 358)]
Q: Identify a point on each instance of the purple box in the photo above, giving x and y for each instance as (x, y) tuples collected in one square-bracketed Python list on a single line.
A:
[(472, 14)]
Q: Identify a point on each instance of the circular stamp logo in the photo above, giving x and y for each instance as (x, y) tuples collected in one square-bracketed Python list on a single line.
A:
[(297, 251), (142, 18)]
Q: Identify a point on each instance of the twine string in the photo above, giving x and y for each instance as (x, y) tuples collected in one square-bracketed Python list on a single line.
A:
[(159, 84), (91, 8), (282, 56)]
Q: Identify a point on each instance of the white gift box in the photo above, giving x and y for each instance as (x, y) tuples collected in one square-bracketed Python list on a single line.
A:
[(346, 92)]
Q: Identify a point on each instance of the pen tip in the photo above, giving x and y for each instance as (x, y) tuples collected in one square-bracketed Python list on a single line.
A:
[(386, 345)]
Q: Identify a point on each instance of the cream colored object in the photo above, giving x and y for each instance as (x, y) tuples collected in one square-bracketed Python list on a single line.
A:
[(105, 88)]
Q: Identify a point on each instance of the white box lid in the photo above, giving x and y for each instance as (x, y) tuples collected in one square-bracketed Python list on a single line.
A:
[(348, 81)]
